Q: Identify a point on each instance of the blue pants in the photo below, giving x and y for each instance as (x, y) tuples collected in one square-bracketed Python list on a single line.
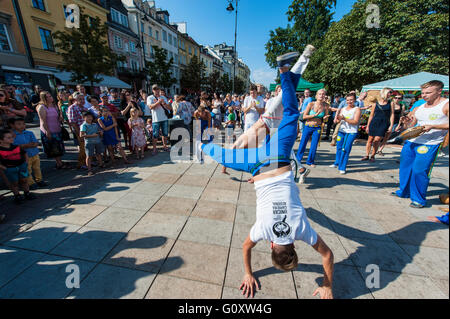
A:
[(415, 163), (277, 148), (309, 131), (443, 219), (344, 143)]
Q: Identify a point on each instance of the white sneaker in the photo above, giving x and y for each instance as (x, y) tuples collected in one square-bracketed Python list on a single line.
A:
[(332, 166), (342, 172), (309, 50)]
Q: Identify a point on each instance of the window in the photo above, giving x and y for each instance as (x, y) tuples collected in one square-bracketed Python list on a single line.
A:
[(190, 50), (142, 27), (46, 39), (164, 35), (176, 58), (125, 47), (39, 4), (118, 42), (132, 47), (134, 65), (5, 44), (170, 39), (175, 41), (150, 31), (124, 20), (119, 17), (157, 35)]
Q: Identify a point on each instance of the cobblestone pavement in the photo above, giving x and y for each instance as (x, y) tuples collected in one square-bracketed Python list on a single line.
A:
[(159, 229)]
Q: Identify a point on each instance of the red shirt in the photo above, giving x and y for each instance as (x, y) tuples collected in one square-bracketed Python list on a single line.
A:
[(13, 156), (111, 107)]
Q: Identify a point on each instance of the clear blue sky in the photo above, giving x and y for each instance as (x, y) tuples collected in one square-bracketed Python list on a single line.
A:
[(209, 23)]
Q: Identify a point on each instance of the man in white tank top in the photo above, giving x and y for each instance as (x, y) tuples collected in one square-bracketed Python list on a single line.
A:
[(418, 154)]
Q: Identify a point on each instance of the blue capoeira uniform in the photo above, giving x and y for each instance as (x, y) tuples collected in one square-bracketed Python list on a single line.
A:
[(276, 149)]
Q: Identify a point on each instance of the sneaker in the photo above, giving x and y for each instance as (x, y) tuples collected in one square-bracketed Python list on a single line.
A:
[(42, 184), (416, 205), (287, 59), (309, 50), (33, 186), (342, 172), (333, 166), (29, 196), (305, 172)]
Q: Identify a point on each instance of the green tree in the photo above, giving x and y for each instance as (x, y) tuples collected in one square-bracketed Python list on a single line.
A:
[(239, 86), (85, 51), (159, 70), (213, 81), (225, 84), (413, 36), (311, 20), (193, 76)]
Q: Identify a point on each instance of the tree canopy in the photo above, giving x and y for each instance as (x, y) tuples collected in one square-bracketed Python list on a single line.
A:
[(159, 70), (85, 50), (193, 76)]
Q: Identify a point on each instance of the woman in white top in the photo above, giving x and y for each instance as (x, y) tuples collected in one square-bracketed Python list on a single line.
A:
[(216, 109), (349, 117)]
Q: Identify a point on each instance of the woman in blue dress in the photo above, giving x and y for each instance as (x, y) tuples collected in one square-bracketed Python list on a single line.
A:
[(381, 121)]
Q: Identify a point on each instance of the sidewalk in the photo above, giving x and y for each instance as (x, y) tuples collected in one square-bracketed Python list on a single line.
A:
[(159, 229)]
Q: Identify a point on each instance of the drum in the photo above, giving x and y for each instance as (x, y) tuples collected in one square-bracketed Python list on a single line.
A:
[(411, 133)]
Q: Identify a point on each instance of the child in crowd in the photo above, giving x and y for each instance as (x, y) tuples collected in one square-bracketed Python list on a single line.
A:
[(28, 142), (13, 163), (230, 123), (137, 127), (91, 133), (111, 135), (149, 130)]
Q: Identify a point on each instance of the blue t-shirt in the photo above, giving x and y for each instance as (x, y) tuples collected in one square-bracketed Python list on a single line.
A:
[(26, 137), (91, 129), (305, 104), (417, 104)]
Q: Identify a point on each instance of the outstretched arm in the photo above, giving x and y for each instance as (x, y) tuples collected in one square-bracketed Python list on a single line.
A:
[(249, 281), (326, 291)]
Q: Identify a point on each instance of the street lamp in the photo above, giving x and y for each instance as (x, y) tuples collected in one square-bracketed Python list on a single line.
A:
[(230, 8)]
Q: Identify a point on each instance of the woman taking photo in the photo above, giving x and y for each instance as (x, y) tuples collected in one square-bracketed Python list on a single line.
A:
[(349, 118), (314, 115), (50, 124), (380, 123), (9, 108)]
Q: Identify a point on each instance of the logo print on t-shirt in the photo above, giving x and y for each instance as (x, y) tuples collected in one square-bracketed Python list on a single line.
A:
[(433, 117), (281, 229)]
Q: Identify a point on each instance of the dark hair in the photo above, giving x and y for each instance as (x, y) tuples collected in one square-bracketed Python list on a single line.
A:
[(90, 97), (4, 132), (13, 120), (284, 257), (253, 87), (87, 114), (350, 94)]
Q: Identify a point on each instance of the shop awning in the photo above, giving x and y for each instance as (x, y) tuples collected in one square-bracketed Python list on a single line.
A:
[(303, 85), (108, 81)]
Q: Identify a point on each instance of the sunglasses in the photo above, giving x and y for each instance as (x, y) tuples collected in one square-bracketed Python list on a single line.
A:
[(2, 95)]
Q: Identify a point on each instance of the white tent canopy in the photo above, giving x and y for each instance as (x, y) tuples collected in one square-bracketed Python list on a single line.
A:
[(108, 81), (410, 82)]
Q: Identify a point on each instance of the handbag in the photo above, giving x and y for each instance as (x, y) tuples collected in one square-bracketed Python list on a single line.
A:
[(65, 134), (167, 112)]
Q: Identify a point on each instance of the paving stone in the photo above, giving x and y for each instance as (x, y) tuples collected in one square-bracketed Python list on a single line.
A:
[(136, 201), (347, 282), (213, 210), (272, 282), (207, 231), (387, 256), (168, 287), (246, 215), (307, 254), (110, 282), (103, 198), (150, 189), (220, 195), (223, 184), (405, 286), (210, 268), (75, 214), (44, 236), (240, 233), (89, 244), (431, 260), (174, 206), (247, 198), (165, 178), (46, 279), (117, 219), (191, 192), (14, 261), (140, 252), (193, 180), (164, 225)]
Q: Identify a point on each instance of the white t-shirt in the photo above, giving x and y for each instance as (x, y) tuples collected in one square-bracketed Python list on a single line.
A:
[(280, 216), (158, 114), (349, 115), (252, 116)]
